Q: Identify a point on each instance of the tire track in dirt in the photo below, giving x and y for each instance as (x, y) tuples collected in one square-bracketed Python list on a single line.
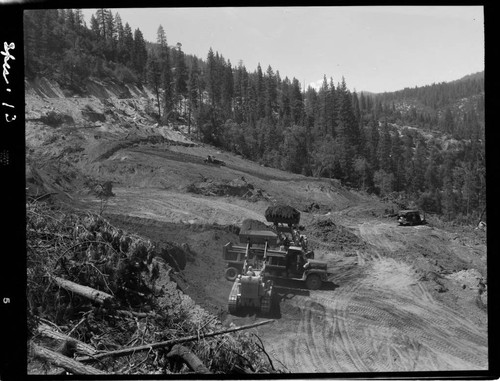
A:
[(431, 324), (380, 319)]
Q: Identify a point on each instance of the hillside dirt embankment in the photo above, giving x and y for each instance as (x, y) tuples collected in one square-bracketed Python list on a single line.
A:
[(400, 298)]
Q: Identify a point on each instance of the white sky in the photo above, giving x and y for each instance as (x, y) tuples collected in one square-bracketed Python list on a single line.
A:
[(378, 48)]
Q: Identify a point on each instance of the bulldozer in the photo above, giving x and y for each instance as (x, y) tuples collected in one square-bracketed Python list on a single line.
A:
[(251, 287), (251, 290), (284, 260), (212, 160)]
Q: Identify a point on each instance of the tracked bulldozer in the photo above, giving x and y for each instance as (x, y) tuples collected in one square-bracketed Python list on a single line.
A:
[(251, 287), (252, 291), (270, 259)]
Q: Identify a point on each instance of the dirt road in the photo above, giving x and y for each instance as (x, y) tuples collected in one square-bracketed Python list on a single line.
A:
[(379, 316)]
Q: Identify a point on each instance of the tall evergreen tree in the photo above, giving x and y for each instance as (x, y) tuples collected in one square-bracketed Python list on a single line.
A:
[(154, 78), (128, 46), (384, 149), (211, 78), (140, 53), (419, 166), (193, 91), (180, 74)]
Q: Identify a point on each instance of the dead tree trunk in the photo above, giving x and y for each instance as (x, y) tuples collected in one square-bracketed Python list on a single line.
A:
[(64, 362), (128, 351), (80, 347), (189, 358), (87, 292)]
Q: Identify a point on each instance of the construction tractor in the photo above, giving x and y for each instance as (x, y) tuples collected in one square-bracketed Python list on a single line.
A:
[(251, 287), (212, 160), (282, 261), (251, 290)]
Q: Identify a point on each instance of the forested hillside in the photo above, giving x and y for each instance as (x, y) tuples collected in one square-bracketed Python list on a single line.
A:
[(421, 145)]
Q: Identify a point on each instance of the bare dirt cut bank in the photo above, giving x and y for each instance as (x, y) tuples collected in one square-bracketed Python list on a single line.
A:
[(400, 298)]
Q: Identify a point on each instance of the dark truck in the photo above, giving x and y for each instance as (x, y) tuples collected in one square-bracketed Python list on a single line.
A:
[(410, 217)]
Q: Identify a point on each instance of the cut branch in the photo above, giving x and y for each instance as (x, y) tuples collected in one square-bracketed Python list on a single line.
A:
[(85, 291), (128, 351), (80, 347), (261, 346), (64, 362), (189, 358)]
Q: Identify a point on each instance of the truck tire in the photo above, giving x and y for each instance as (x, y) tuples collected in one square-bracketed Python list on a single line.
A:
[(313, 282), (231, 274)]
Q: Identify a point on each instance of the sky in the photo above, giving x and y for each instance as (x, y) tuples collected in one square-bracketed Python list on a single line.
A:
[(375, 48)]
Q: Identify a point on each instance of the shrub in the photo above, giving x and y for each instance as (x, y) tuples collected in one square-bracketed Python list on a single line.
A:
[(54, 119), (124, 74)]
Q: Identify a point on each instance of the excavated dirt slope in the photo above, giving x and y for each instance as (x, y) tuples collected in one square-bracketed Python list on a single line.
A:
[(400, 298)]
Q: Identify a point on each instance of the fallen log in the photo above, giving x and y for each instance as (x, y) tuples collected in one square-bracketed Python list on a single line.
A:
[(132, 350), (189, 358), (80, 347), (85, 291), (64, 362)]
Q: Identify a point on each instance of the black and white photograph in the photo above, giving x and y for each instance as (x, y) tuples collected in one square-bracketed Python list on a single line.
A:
[(247, 192)]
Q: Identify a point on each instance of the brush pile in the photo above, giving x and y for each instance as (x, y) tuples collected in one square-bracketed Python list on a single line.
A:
[(101, 300)]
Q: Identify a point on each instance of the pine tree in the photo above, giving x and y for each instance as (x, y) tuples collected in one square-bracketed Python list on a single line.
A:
[(384, 149), (347, 130), (447, 122), (140, 53), (270, 94), (227, 89), (180, 74), (398, 163), (296, 102), (94, 26), (102, 17), (168, 88), (128, 46), (373, 143), (284, 103), (79, 20), (154, 78), (238, 93), (193, 91), (331, 115), (419, 166), (211, 78), (259, 87), (120, 38), (161, 37), (321, 117)]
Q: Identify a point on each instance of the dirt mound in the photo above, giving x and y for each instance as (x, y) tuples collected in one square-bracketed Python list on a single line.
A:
[(238, 187), (249, 225), (176, 255), (467, 278), (337, 236)]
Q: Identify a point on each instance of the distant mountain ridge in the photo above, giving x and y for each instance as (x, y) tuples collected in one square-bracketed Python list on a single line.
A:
[(452, 107)]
